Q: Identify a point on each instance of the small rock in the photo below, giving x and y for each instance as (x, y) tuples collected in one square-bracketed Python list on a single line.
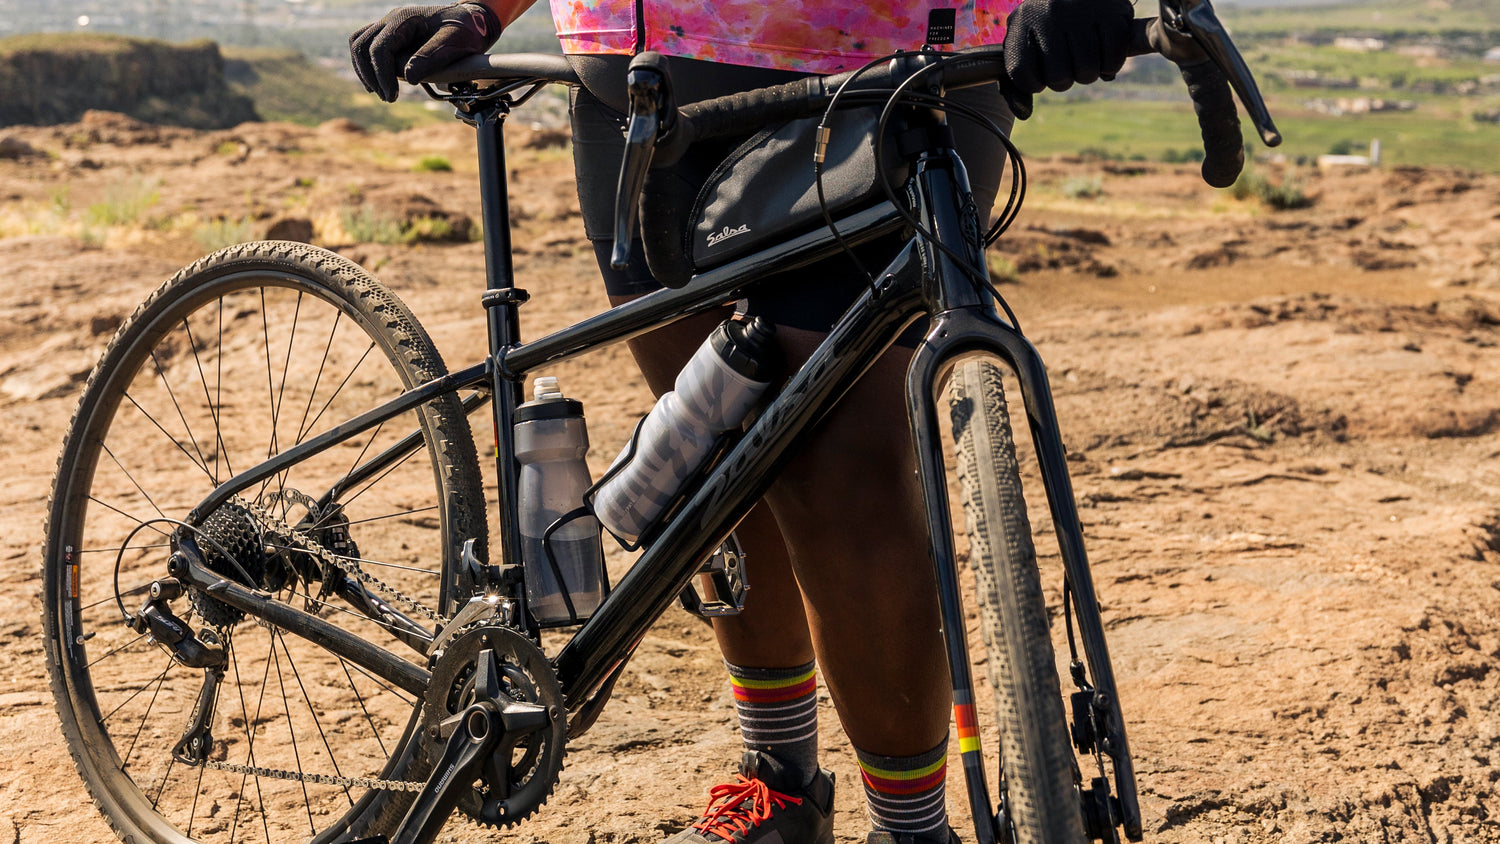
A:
[(299, 229), (340, 126), (13, 147)]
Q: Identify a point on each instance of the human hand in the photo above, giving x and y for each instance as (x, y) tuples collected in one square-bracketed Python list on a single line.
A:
[(414, 41), (1054, 43)]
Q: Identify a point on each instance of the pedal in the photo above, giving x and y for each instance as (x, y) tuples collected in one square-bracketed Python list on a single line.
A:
[(724, 573)]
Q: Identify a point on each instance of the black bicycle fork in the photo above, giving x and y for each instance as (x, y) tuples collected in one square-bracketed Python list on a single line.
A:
[(965, 323)]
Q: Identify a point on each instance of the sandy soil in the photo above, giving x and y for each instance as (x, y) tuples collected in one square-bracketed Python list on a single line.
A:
[(1284, 431)]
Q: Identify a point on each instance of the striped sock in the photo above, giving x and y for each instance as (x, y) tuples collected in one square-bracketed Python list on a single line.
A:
[(905, 793), (778, 711)]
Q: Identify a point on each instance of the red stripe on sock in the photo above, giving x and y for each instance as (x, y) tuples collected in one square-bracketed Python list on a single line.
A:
[(911, 786), (775, 695)]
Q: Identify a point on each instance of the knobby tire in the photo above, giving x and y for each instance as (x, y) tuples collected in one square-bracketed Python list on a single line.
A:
[(1039, 770)]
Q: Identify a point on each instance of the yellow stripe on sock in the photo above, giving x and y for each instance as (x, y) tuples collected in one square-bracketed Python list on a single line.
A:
[(771, 684), (903, 775)]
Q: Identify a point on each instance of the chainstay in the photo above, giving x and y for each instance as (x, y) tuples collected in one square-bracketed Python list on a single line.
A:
[(344, 564), (321, 779)]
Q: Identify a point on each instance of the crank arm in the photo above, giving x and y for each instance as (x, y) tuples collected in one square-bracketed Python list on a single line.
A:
[(476, 733), (481, 740)]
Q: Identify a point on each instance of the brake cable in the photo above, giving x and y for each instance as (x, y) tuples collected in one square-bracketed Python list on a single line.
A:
[(1002, 221)]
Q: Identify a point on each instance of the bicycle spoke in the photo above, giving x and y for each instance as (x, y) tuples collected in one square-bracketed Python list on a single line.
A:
[(362, 560), (118, 650), (302, 430), (286, 367), (382, 476), (137, 692), (197, 790), (339, 389), (286, 707), (132, 480), (219, 382), (383, 625), (160, 679), (171, 760), (208, 404), (170, 438), (297, 675), (127, 593), (138, 521), (392, 515), (171, 394), (343, 663)]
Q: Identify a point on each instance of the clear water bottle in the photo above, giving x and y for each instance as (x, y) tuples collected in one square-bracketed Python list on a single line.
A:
[(564, 562), (713, 394)]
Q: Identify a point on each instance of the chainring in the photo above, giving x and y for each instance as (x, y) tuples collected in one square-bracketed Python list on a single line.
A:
[(515, 787)]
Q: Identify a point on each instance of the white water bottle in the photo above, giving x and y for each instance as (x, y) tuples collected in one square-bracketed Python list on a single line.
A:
[(564, 562), (713, 394)]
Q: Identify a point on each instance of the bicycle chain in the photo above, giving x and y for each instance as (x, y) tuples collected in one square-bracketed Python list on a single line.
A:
[(346, 565), (321, 779)]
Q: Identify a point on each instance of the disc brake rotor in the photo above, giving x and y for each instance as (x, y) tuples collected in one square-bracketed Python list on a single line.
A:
[(520, 779)]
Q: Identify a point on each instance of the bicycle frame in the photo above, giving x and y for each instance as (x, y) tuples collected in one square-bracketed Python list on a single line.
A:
[(920, 280)]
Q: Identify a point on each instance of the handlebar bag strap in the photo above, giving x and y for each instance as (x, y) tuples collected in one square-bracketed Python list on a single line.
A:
[(763, 193)]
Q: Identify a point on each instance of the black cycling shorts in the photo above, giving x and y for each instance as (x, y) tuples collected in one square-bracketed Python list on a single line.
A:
[(811, 297)]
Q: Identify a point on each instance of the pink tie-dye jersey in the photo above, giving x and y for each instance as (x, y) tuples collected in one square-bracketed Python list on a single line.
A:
[(820, 36)]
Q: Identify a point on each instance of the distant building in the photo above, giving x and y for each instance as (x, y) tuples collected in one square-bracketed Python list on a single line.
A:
[(1371, 160), (1359, 45)]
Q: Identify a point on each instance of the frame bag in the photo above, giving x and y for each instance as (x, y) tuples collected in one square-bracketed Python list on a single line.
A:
[(763, 193)]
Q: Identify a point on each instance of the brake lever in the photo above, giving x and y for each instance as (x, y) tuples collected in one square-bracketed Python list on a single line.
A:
[(652, 115), (1196, 19)]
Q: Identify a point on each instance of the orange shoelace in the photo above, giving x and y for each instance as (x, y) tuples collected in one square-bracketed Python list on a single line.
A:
[(737, 807)]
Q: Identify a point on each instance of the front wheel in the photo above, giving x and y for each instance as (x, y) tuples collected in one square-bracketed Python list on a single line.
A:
[(1039, 779), (234, 360)]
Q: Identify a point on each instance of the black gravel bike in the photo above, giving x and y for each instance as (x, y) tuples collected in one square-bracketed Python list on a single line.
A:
[(272, 608)]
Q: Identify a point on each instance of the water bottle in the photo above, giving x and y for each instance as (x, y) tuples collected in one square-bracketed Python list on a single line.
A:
[(551, 442), (713, 394)]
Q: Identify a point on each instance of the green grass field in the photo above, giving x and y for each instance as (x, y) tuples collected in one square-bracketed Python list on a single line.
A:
[(1154, 130), (1367, 17)]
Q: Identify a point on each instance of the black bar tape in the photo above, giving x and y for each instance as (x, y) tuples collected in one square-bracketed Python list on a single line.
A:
[(1223, 145), (746, 112)]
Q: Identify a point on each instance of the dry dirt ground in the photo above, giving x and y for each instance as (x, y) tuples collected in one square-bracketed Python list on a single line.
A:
[(1284, 434)]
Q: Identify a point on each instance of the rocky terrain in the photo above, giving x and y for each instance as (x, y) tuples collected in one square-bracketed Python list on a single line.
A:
[(1284, 434)]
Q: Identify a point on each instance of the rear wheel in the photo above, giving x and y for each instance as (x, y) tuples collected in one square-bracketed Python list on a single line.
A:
[(1039, 780), (234, 360)]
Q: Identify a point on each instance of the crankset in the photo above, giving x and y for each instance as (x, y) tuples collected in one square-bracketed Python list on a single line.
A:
[(494, 729)]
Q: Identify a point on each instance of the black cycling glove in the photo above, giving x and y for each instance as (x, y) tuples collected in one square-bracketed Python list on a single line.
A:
[(1054, 43), (414, 41)]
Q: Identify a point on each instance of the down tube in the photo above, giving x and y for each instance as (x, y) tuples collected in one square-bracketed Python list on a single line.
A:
[(648, 589)]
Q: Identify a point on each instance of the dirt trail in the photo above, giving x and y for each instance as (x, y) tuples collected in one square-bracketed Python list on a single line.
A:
[(1284, 431)]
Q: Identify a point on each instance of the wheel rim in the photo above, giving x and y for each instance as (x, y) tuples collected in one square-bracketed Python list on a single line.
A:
[(240, 368)]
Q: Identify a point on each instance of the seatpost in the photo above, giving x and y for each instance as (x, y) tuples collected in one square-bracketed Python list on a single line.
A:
[(501, 301)]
